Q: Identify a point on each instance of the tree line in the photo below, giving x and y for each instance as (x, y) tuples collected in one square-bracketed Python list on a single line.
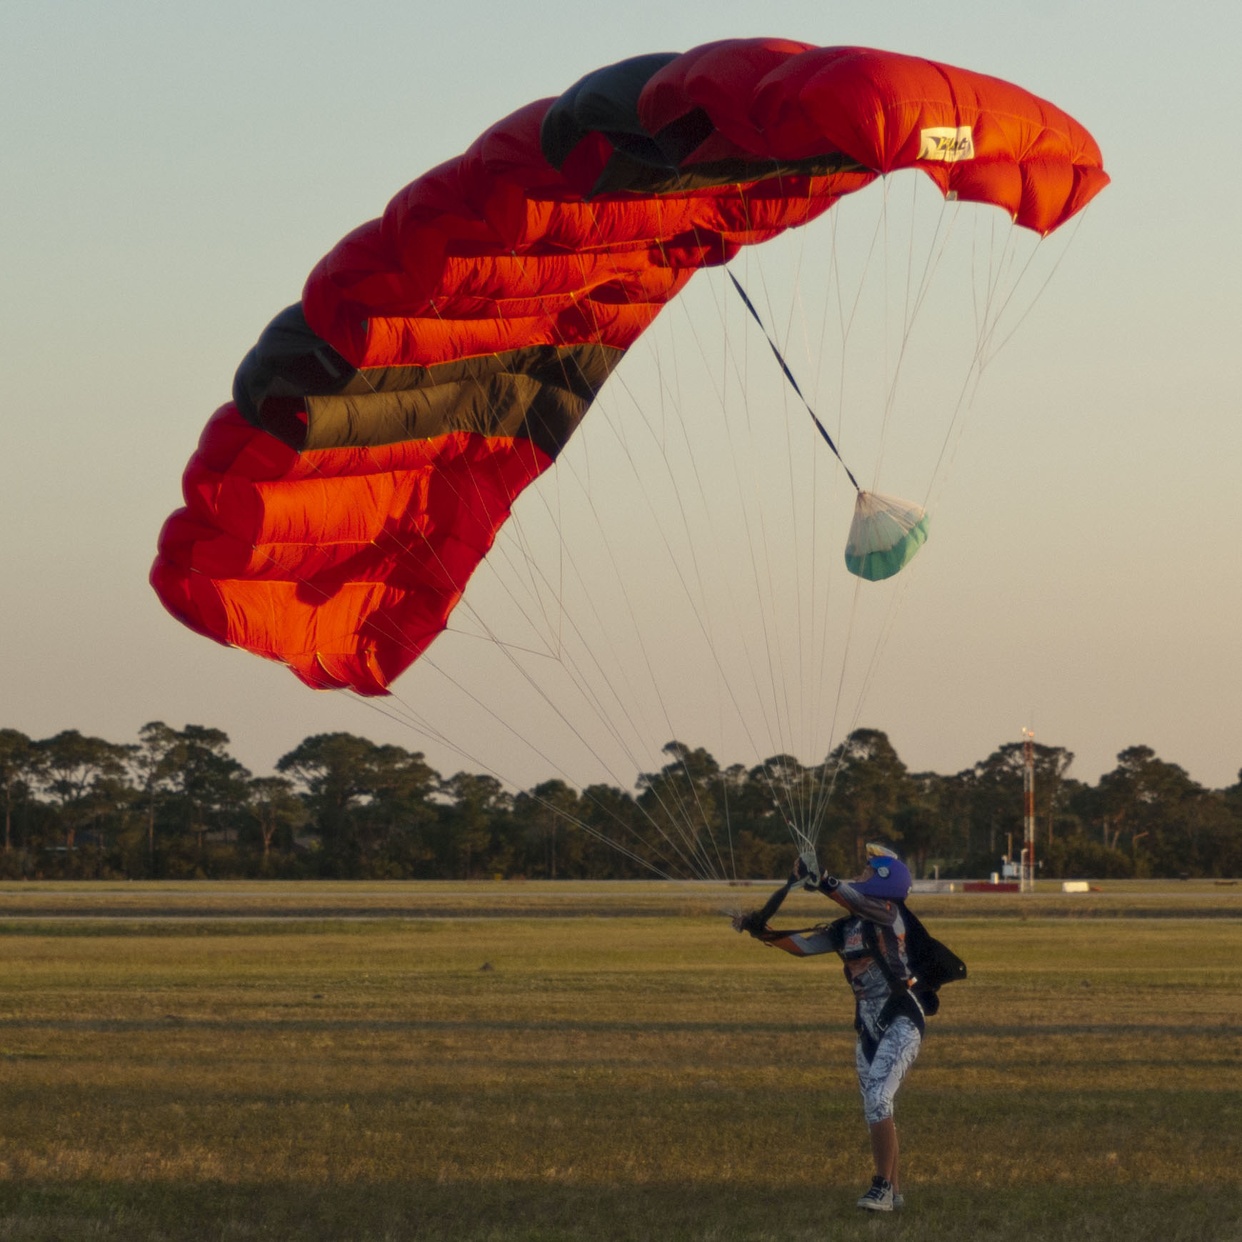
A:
[(177, 805)]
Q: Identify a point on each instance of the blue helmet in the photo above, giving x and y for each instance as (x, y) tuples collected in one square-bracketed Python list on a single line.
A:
[(890, 878)]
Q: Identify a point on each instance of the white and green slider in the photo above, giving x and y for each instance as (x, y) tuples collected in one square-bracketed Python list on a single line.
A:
[(884, 535)]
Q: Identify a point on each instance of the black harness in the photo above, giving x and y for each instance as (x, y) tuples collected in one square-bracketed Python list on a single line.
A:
[(902, 1001)]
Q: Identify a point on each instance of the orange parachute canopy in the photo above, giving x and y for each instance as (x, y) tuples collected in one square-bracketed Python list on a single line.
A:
[(443, 354)]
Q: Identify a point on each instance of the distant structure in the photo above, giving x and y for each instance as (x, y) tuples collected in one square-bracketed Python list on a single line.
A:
[(1028, 811)]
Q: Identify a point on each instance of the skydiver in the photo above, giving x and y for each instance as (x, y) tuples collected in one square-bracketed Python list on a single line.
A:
[(888, 1016)]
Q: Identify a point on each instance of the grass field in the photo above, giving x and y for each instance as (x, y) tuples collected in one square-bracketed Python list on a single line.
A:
[(600, 1062)]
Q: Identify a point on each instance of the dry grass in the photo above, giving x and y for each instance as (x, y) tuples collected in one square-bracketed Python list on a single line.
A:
[(619, 1077), (22, 901)]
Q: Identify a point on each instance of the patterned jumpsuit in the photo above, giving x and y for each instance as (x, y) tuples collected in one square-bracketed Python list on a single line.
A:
[(892, 1050)]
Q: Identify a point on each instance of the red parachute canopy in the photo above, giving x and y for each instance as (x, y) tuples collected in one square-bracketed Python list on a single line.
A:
[(442, 355)]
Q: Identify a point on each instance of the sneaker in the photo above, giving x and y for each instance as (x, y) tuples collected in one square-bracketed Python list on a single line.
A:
[(899, 1200), (879, 1198)]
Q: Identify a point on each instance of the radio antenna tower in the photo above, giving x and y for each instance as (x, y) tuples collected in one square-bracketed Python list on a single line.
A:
[(1027, 884)]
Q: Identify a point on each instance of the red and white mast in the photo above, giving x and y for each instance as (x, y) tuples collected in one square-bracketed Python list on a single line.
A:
[(1028, 811)]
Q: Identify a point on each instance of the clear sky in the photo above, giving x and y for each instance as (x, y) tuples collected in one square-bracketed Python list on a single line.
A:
[(170, 173)]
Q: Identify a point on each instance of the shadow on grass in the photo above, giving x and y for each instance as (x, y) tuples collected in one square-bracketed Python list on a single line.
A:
[(525, 1212)]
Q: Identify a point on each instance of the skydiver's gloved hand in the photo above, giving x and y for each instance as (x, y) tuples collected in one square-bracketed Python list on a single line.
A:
[(752, 922), (757, 921), (802, 874)]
